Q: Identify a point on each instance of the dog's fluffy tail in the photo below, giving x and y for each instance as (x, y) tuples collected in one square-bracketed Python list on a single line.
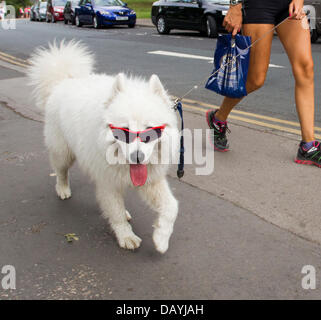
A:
[(50, 66)]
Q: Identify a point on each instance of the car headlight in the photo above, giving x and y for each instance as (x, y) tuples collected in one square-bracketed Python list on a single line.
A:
[(132, 12), (106, 13)]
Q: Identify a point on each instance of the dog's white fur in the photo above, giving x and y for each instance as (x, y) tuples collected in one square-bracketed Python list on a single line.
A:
[(79, 105)]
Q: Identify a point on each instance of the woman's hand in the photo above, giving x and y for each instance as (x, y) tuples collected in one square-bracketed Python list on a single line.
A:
[(296, 10), (233, 20)]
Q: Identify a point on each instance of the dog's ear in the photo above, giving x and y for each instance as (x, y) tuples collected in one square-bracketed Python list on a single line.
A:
[(118, 86), (156, 86)]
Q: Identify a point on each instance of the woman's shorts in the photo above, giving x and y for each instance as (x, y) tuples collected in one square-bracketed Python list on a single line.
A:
[(265, 11)]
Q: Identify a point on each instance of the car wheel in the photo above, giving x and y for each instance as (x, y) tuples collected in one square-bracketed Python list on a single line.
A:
[(211, 27), (131, 25), (161, 25), (96, 23), (77, 21)]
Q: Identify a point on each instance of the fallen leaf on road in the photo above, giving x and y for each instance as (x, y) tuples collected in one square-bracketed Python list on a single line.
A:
[(70, 237)]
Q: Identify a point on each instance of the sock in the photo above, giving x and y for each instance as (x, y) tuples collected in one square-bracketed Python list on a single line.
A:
[(306, 145), (219, 122)]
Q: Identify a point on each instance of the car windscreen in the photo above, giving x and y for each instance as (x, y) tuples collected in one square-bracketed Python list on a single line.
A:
[(107, 3), (59, 3)]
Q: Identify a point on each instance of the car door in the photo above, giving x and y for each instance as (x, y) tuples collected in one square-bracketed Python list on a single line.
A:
[(192, 14), (37, 7), (67, 10), (170, 9), (85, 11), (89, 11)]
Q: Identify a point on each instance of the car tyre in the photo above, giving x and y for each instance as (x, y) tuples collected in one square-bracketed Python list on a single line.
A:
[(131, 25), (211, 27), (96, 23), (77, 21), (161, 25)]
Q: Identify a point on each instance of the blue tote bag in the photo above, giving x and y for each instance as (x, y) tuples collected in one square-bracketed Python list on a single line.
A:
[(231, 63)]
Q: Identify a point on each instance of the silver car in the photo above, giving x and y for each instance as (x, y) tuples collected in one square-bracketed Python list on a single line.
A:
[(41, 11)]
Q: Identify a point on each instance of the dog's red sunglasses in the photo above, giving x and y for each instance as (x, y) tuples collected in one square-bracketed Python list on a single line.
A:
[(128, 136)]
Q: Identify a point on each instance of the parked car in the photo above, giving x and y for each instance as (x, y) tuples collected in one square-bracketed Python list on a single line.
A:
[(55, 10), (41, 11), (313, 7), (33, 12), (205, 16), (69, 11), (104, 13)]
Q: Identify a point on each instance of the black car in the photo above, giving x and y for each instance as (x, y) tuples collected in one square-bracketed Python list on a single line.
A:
[(69, 11), (205, 16)]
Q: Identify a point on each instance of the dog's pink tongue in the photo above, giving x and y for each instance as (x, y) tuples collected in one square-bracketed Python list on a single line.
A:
[(138, 174)]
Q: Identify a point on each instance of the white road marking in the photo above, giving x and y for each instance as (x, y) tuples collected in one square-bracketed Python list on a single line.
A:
[(193, 56), (179, 55)]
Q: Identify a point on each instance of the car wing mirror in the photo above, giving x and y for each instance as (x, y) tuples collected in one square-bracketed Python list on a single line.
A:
[(125, 4)]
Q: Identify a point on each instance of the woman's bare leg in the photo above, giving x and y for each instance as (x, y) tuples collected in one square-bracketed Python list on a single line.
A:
[(259, 64), (297, 44)]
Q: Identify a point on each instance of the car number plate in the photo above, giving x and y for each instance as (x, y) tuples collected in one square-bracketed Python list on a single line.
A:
[(224, 12), (121, 18)]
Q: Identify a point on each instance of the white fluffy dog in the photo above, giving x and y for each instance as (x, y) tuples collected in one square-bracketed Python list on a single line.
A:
[(85, 116)]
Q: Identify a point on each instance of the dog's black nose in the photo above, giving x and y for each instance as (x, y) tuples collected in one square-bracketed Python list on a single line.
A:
[(137, 156)]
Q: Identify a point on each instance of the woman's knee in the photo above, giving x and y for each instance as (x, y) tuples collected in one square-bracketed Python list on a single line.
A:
[(303, 71), (256, 83)]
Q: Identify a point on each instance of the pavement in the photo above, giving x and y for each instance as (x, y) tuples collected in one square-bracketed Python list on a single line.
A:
[(244, 232), (144, 23)]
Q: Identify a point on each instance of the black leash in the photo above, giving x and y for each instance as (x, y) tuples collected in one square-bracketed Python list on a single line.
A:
[(180, 168)]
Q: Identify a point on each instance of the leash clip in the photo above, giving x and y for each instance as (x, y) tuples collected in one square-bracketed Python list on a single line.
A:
[(176, 102)]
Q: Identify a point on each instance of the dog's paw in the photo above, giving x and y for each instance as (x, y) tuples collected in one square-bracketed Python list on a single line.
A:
[(129, 242), (63, 192), (128, 216), (160, 240), (126, 237)]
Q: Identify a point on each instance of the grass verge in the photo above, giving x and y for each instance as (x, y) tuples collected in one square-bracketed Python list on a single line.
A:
[(142, 7)]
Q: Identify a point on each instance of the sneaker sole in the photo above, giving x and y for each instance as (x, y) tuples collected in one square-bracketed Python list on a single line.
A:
[(307, 162), (208, 123)]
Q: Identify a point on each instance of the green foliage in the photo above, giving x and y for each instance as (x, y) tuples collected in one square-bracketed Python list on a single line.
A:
[(19, 4), (142, 7)]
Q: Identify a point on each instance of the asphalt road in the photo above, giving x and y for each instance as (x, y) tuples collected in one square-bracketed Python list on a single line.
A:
[(122, 49), (221, 247)]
